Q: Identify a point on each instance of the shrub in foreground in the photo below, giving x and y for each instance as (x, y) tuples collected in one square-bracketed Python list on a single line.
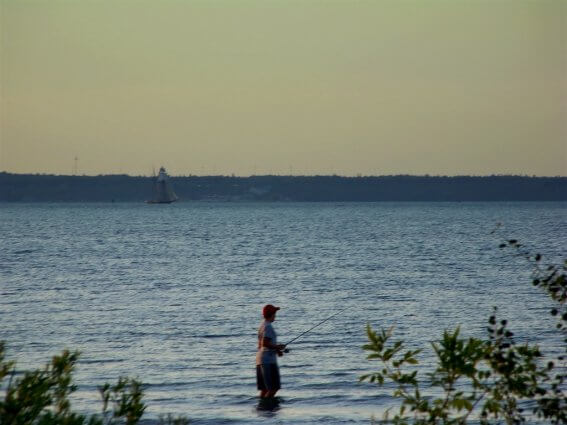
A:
[(487, 380), (41, 397)]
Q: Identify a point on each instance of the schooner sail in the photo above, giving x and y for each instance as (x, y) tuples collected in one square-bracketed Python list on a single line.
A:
[(163, 192)]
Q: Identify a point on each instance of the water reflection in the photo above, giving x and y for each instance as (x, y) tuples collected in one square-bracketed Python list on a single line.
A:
[(268, 407)]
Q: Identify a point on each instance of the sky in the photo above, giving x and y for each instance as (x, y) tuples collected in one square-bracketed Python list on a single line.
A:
[(302, 87)]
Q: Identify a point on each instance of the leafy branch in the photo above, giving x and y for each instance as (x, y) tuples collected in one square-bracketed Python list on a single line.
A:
[(41, 397), (487, 379)]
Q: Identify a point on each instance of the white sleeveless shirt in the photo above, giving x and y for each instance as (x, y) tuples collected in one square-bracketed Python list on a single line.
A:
[(266, 355)]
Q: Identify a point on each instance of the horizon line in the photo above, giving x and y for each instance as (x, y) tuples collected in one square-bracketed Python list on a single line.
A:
[(233, 175)]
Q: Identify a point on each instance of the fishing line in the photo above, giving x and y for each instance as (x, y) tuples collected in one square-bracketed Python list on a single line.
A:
[(318, 324)]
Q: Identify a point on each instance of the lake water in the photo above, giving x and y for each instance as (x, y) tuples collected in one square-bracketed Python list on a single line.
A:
[(172, 294)]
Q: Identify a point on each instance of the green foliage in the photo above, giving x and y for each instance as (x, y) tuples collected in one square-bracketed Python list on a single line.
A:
[(126, 399), (482, 379), (552, 280), (41, 397)]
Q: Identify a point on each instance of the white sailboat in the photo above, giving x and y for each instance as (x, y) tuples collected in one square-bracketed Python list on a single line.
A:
[(163, 192)]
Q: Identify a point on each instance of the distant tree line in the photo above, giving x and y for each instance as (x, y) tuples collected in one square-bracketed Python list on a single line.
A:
[(124, 188)]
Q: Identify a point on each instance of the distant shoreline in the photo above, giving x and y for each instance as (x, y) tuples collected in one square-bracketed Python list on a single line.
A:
[(124, 188)]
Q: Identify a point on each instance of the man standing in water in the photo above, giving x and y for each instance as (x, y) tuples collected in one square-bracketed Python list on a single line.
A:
[(267, 370)]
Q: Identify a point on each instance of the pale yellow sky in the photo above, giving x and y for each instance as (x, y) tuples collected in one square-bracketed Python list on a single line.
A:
[(441, 87)]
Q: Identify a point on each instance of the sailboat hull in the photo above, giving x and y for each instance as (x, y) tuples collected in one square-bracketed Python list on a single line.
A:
[(160, 202)]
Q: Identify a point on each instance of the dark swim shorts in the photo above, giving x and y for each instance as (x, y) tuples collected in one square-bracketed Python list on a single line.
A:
[(268, 377)]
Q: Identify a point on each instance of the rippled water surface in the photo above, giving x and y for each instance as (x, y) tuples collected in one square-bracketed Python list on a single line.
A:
[(172, 294)]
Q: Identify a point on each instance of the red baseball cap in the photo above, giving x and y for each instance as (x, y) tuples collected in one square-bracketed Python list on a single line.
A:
[(269, 310)]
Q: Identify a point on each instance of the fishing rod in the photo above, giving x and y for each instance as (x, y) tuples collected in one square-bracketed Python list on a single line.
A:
[(310, 329)]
